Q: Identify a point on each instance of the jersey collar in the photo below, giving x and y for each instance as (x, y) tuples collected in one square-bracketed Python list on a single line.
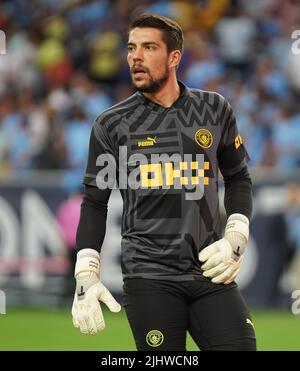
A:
[(158, 108)]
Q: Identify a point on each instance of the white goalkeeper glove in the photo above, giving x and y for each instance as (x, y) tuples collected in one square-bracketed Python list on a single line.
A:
[(86, 311), (223, 258)]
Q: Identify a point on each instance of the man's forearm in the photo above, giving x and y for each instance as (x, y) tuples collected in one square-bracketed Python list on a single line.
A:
[(92, 223), (238, 194)]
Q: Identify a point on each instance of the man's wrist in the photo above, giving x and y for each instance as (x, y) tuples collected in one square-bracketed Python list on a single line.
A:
[(88, 260), (238, 223)]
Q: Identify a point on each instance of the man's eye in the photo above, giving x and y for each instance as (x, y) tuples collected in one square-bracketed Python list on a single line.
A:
[(130, 48)]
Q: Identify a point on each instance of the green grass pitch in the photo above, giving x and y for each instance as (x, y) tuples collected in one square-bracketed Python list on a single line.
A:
[(53, 330)]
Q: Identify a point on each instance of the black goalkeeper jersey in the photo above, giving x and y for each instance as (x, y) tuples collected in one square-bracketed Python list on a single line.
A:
[(165, 162)]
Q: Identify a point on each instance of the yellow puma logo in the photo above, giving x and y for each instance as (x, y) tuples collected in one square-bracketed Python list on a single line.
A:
[(148, 142)]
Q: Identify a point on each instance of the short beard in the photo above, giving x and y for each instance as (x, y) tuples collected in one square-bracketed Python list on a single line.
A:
[(153, 86)]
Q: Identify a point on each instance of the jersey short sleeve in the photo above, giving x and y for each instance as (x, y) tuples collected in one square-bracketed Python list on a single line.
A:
[(101, 156), (232, 154)]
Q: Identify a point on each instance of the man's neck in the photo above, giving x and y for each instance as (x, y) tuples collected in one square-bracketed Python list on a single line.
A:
[(167, 95)]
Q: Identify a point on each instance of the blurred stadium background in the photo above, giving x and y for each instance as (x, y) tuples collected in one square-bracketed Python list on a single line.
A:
[(65, 62)]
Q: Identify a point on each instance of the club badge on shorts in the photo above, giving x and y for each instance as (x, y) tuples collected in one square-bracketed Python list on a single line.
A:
[(204, 138), (154, 338)]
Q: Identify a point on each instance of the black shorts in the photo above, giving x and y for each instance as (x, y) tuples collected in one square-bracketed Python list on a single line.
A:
[(161, 312)]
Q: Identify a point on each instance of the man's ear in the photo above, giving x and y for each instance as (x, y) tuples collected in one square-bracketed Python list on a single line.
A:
[(174, 58)]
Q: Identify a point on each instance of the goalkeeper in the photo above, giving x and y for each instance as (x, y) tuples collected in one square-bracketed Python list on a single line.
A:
[(178, 267)]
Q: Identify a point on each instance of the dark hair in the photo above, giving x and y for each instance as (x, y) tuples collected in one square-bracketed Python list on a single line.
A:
[(172, 34)]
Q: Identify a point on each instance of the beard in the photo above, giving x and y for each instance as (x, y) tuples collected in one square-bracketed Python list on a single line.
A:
[(152, 85)]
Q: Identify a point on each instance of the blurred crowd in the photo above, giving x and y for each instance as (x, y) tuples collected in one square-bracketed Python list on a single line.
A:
[(65, 62)]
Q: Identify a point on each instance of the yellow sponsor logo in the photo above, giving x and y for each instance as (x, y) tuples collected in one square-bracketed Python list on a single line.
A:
[(148, 142), (154, 338), (238, 141), (152, 174), (204, 138)]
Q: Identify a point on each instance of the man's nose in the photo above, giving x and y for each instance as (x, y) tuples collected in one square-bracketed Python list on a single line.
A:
[(138, 55)]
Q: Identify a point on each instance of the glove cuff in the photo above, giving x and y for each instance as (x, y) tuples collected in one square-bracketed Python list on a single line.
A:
[(238, 223), (88, 260)]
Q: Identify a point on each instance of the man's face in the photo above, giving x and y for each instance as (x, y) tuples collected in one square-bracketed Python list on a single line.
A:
[(148, 59)]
